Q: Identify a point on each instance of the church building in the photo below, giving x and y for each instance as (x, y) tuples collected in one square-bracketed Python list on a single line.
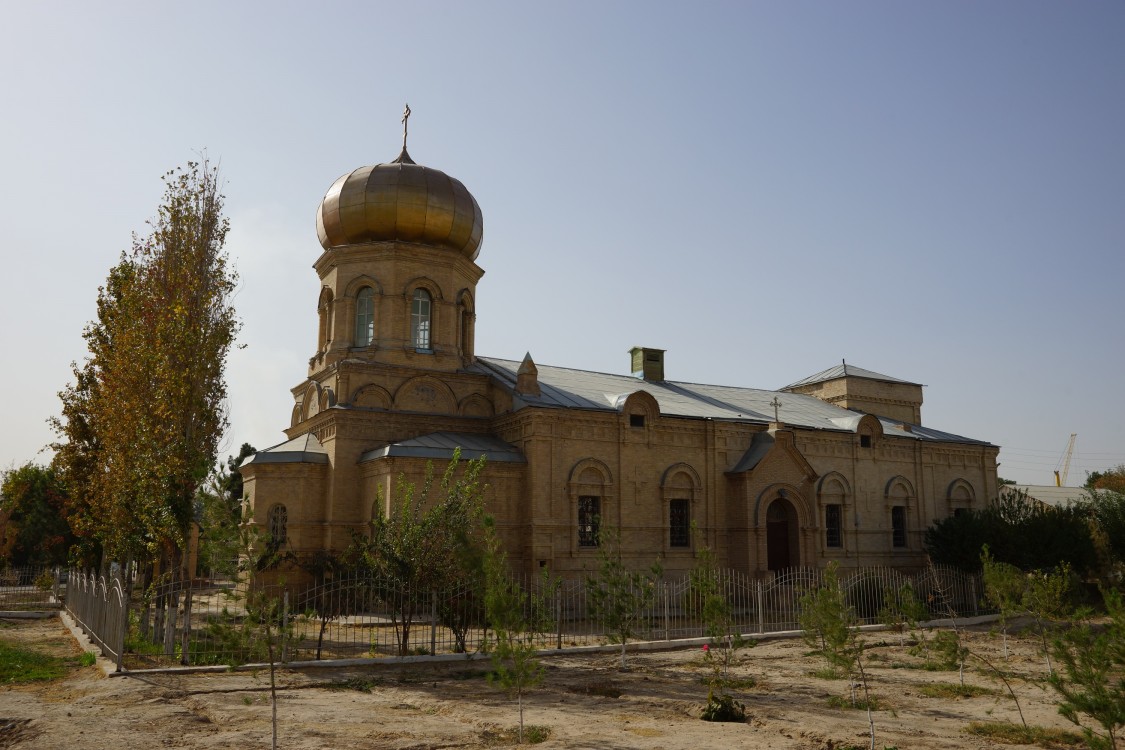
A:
[(836, 466)]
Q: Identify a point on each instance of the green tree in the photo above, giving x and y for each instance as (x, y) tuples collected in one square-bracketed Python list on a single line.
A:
[(1003, 589), (1090, 681), (233, 482), (902, 610), (827, 622), (421, 546), (152, 392), (620, 599), (709, 602), (518, 616), (1019, 531), (1046, 597), (33, 517), (1107, 509)]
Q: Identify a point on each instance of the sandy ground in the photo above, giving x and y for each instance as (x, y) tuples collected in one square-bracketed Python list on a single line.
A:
[(584, 701)]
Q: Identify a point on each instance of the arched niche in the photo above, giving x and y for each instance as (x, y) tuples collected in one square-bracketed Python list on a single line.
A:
[(475, 405), (425, 394), (372, 397)]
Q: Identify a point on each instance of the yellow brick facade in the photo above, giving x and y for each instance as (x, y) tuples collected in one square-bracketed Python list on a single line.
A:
[(765, 494)]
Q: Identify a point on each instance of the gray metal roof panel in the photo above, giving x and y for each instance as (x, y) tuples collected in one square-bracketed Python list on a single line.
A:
[(303, 449), (846, 370), (442, 445), (1048, 494), (563, 387)]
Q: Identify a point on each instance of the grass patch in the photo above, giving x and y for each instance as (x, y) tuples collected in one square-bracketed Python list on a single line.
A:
[(731, 683), (87, 659), (603, 688), (24, 665), (936, 666), (953, 690), (1015, 734), (533, 734), (836, 701)]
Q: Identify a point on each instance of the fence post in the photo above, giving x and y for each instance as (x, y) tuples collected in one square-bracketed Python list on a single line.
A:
[(761, 608), (558, 617), (284, 625), (185, 638), (667, 623), (433, 623), (973, 593)]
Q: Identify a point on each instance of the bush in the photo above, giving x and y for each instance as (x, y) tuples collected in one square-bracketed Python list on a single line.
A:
[(723, 708), (1019, 531)]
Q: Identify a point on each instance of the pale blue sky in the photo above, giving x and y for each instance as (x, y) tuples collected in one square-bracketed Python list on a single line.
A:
[(933, 191)]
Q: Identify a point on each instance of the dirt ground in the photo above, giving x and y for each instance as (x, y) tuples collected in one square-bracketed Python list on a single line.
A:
[(584, 701)]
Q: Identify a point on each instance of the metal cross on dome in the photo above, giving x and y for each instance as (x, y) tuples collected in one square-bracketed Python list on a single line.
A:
[(776, 404), (405, 117)]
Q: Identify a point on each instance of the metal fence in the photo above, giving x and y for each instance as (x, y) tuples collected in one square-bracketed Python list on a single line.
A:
[(28, 588), (100, 607), (363, 616)]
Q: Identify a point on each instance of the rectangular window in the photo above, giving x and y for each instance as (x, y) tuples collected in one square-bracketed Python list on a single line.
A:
[(864, 441), (832, 526), (898, 526), (636, 420), (589, 518), (679, 517)]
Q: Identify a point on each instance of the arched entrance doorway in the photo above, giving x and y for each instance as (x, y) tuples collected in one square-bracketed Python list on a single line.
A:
[(782, 543)]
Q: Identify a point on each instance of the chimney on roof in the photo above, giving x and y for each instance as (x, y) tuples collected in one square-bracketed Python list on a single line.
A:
[(527, 377), (648, 363)]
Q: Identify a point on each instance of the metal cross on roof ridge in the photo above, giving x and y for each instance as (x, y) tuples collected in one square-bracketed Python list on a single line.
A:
[(776, 404)]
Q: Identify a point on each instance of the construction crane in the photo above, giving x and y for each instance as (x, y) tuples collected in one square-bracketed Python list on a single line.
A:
[(1060, 481)]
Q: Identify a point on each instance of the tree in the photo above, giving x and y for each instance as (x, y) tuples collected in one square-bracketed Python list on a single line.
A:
[(620, 598), (708, 600), (152, 393), (1090, 681), (233, 483), (827, 622), (1003, 589), (1107, 508), (421, 546), (79, 458), (1111, 479), (1046, 597), (33, 517), (1019, 531), (518, 617)]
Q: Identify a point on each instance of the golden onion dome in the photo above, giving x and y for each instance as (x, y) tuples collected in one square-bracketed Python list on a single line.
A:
[(400, 201)]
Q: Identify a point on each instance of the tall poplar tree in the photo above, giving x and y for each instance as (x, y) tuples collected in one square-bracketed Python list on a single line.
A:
[(152, 393)]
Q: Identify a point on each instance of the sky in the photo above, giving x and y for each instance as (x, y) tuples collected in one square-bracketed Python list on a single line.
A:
[(933, 191)]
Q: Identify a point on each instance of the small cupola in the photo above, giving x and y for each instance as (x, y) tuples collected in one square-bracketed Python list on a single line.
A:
[(647, 364), (527, 377)]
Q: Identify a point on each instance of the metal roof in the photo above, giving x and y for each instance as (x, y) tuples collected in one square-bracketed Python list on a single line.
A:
[(846, 370), (441, 445), (1048, 494), (304, 449), (563, 387)]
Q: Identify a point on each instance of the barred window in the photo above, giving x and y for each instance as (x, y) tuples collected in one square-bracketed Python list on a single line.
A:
[(589, 520), (364, 317), (420, 319), (278, 524), (832, 526), (898, 526), (679, 517)]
